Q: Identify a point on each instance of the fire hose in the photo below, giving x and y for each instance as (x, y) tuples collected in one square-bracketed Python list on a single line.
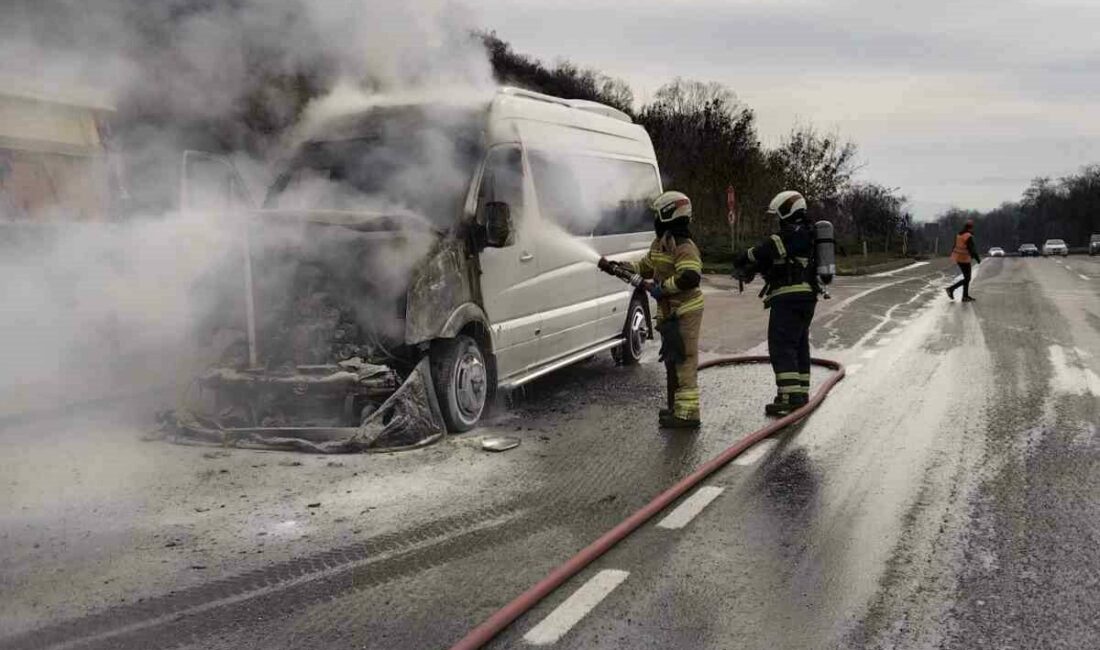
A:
[(504, 617)]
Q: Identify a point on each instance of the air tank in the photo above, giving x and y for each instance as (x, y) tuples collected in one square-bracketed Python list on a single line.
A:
[(825, 248)]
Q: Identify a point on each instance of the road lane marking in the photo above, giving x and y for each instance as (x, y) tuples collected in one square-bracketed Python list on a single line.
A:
[(569, 613), (692, 506), (885, 342), (1082, 276), (758, 451), (888, 274), (852, 369), (868, 354)]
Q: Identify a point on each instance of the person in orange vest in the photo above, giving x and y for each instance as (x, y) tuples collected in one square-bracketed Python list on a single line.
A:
[(963, 254)]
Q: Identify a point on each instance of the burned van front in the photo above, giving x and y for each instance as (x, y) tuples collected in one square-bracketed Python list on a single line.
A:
[(353, 264)]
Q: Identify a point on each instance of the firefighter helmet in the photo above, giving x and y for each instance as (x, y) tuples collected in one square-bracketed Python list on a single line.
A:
[(786, 204), (671, 206)]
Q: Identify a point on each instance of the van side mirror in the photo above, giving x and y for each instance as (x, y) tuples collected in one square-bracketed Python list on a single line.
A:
[(498, 225)]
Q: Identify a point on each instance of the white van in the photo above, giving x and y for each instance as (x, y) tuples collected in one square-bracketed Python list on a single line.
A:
[(467, 234)]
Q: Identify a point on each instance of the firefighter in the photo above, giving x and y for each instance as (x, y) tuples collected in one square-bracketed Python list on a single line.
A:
[(786, 261), (963, 254), (673, 269)]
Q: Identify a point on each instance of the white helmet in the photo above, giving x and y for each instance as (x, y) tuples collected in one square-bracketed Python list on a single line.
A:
[(785, 204), (671, 205)]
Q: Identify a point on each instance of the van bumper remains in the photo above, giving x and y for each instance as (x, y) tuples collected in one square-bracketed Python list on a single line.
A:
[(352, 407)]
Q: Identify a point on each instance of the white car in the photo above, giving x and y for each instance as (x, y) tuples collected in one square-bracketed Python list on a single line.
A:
[(1055, 247), (996, 251), (463, 235)]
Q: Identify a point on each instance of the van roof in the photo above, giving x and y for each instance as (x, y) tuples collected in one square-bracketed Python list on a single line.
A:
[(553, 122)]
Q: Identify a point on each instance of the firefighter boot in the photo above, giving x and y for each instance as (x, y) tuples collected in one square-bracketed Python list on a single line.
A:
[(785, 404), (670, 421)]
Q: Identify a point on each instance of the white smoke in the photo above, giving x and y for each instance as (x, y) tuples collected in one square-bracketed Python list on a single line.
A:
[(95, 305)]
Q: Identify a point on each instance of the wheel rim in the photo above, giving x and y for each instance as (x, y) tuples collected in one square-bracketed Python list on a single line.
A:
[(470, 384), (635, 338)]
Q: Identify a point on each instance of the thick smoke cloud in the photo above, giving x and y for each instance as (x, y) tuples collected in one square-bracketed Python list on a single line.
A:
[(91, 309)]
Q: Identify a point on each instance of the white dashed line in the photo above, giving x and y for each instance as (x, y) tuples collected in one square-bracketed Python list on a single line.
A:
[(758, 451), (569, 613), (885, 342), (852, 369), (868, 354), (691, 507), (1082, 276)]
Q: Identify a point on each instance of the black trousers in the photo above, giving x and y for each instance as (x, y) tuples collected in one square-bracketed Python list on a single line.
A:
[(789, 343), (965, 282)]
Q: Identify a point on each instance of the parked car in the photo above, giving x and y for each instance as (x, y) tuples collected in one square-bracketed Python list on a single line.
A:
[(1028, 250), (490, 288), (1055, 247), (1094, 245), (996, 251)]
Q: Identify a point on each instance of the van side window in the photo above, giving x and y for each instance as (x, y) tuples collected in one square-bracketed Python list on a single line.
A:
[(502, 182), (589, 195)]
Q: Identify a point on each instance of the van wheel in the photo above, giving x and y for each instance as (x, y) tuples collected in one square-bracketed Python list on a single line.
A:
[(634, 335), (461, 381)]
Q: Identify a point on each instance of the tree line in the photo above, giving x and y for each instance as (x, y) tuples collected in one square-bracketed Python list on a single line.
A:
[(1067, 208)]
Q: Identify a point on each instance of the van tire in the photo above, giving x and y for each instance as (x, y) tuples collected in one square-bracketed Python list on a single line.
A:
[(461, 376), (635, 332)]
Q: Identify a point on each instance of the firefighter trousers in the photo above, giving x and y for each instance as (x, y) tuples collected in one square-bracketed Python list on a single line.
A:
[(789, 345), (683, 377)]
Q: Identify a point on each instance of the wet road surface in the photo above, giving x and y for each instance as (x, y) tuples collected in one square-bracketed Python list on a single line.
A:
[(941, 497)]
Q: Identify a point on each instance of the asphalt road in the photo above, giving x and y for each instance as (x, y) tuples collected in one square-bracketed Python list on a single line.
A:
[(941, 497)]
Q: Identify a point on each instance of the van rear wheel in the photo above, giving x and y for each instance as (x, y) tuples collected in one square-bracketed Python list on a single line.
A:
[(635, 332), (461, 380)]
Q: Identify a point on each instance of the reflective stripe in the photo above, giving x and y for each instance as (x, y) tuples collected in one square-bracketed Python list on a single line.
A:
[(804, 378), (784, 376), (689, 265), (660, 257), (670, 286), (686, 404), (779, 247), (793, 390), (802, 287), (690, 305)]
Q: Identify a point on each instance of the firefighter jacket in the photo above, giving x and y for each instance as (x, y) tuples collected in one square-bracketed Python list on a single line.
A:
[(786, 260), (675, 264)]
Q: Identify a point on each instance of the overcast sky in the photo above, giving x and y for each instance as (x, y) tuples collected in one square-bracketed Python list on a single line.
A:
[(957, 102)]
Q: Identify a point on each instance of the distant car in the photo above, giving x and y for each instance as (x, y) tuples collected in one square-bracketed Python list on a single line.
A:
[(1094, 245), (996, 251), (1028, 250), (1055, 247)]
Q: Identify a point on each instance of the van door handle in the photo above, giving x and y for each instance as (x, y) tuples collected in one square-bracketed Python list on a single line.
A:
[(526, 257)]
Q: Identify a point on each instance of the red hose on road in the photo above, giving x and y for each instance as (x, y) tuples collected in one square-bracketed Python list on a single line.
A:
[(496, 623)]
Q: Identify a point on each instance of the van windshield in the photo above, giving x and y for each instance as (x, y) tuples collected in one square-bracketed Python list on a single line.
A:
[(389, 160)]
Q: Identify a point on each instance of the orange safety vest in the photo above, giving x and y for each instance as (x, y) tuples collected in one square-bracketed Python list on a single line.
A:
[(961, 254)]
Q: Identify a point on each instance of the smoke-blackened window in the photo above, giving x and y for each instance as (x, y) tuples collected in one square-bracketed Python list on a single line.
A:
[(416, 159)]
